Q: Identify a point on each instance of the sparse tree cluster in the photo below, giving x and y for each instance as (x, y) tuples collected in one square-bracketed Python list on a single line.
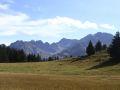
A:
[(53, 58), (91, 49)]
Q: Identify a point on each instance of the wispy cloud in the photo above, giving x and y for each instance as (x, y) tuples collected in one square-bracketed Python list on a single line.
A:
[(8, 33), (4, 6), (107, 26)]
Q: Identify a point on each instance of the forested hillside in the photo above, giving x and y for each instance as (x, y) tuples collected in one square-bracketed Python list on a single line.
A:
[(8, 54)]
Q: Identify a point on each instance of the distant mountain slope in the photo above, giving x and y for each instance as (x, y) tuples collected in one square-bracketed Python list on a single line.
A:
[(34, 47), (65, 43), (105, 38), (44, 49), (75, 50), (65, 47), (79, 48)]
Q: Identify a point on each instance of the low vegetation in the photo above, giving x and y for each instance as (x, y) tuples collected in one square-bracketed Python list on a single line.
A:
[(68, 66), (68, 74)]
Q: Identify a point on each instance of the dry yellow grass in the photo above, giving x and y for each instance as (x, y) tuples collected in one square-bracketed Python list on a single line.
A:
[(53, 82), (68, 74)]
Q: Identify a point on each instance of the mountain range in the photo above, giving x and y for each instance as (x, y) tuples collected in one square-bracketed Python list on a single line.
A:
[(65, 47)]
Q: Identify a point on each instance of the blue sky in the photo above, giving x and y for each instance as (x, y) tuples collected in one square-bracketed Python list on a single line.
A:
[(51, 20)]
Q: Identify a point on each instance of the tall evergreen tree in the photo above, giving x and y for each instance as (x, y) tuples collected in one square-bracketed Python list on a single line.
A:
[(50, 58), (90, 50), (38, 58), (98, 46), (104, 47), (114, 49), (3, 53)]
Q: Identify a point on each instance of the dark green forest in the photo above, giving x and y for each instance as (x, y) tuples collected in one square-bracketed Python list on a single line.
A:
[(8, 54)]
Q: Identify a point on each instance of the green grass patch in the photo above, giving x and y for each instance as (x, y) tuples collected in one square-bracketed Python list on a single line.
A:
[(70, 66)]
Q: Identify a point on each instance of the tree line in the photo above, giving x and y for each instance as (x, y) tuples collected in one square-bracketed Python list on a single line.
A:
[(91, 49), (8, 54), (113, 50)]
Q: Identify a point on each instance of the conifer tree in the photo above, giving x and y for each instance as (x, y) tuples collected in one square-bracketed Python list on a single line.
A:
[(98, 46), (114, 49), (90, 50), (104, 47), (50, 58)]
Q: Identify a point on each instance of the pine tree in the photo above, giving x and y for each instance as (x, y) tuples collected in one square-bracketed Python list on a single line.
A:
[(31, 58), (114, 49), (98, 46), (90, 50), (38, 58), (50, 58), (104, 47), (57, 58), (3, 53)]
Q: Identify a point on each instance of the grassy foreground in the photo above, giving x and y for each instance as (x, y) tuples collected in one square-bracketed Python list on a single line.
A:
[(69, 74), (48, 82)]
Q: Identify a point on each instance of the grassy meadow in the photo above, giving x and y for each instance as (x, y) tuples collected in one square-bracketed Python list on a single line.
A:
[(68, 74), (48, 82)]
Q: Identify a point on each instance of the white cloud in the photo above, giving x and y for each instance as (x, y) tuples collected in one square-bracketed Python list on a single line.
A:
[(51, 27), (13, 19), (4, 6), (8, 33), (72, 23), (107, 26)]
